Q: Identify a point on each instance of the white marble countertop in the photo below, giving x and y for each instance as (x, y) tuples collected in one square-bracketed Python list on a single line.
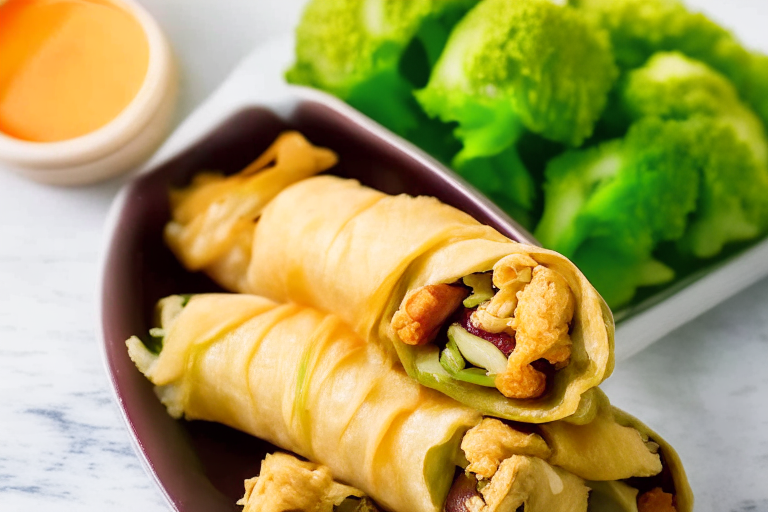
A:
[(63, 445)]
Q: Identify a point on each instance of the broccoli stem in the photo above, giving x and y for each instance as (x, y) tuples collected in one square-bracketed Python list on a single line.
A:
[(571, 180), (617, 275), (503, 178)]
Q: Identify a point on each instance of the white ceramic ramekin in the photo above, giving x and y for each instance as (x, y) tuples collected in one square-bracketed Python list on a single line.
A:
[(121, 144)]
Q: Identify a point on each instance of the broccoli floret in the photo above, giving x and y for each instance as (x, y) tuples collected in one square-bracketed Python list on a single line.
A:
[(732, 147), (673, 86), (623, 198), (515, 65), (617, 274), (571, 179), (505, 179), (370, 52), (733, 201), (640, 28), (757, 85)]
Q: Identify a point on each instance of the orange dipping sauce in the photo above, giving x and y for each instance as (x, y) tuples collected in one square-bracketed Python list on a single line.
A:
[(67, 67)]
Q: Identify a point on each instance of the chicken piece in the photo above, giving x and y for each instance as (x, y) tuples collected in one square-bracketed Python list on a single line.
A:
[(424, 311), (544, 311), (510, 275), (286, 483), (484, 320), (559, 355), (656, 500), (531, 482), (475, 504), (513, 268), (486, 445), (521, 482), (521, 382), (503, 304)]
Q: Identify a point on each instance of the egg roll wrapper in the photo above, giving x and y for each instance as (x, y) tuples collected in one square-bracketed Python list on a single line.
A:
[(332, 244), (212, 219), (305, 382), (273, 370), (335, 245), (614, 446), (612, 497), (676, 479)]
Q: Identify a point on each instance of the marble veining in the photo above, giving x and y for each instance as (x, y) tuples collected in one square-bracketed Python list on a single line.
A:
[(63, 445)]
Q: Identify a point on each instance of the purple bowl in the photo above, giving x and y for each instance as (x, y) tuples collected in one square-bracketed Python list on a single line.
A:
[(201, 466)]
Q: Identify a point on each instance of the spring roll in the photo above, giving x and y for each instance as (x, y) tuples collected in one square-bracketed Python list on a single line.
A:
[(620, 456), (513, 330), (302, 380), (212, 224)]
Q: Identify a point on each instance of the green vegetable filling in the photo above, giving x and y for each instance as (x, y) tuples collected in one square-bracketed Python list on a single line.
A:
[(463, 347), (478, 351), (451, 357), (482, 289), (154, 342), (476, 376)]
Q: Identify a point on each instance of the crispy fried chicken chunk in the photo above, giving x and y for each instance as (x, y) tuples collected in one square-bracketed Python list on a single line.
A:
[(656, 500), (510, 275), (288, 484), (424, 311), (545, 308), (491, 441), (531, 482)]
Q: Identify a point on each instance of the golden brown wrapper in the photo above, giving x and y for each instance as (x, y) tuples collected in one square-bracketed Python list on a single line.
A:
[(212, 219), (613, 446), (340, 247), (304, 381)]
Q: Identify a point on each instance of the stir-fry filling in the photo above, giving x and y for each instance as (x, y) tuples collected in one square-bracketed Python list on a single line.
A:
[(287, 484), (510, 470), (422, 314), (521, 484), (656, 500), (510, 331), (507, 471), (489, 443)]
